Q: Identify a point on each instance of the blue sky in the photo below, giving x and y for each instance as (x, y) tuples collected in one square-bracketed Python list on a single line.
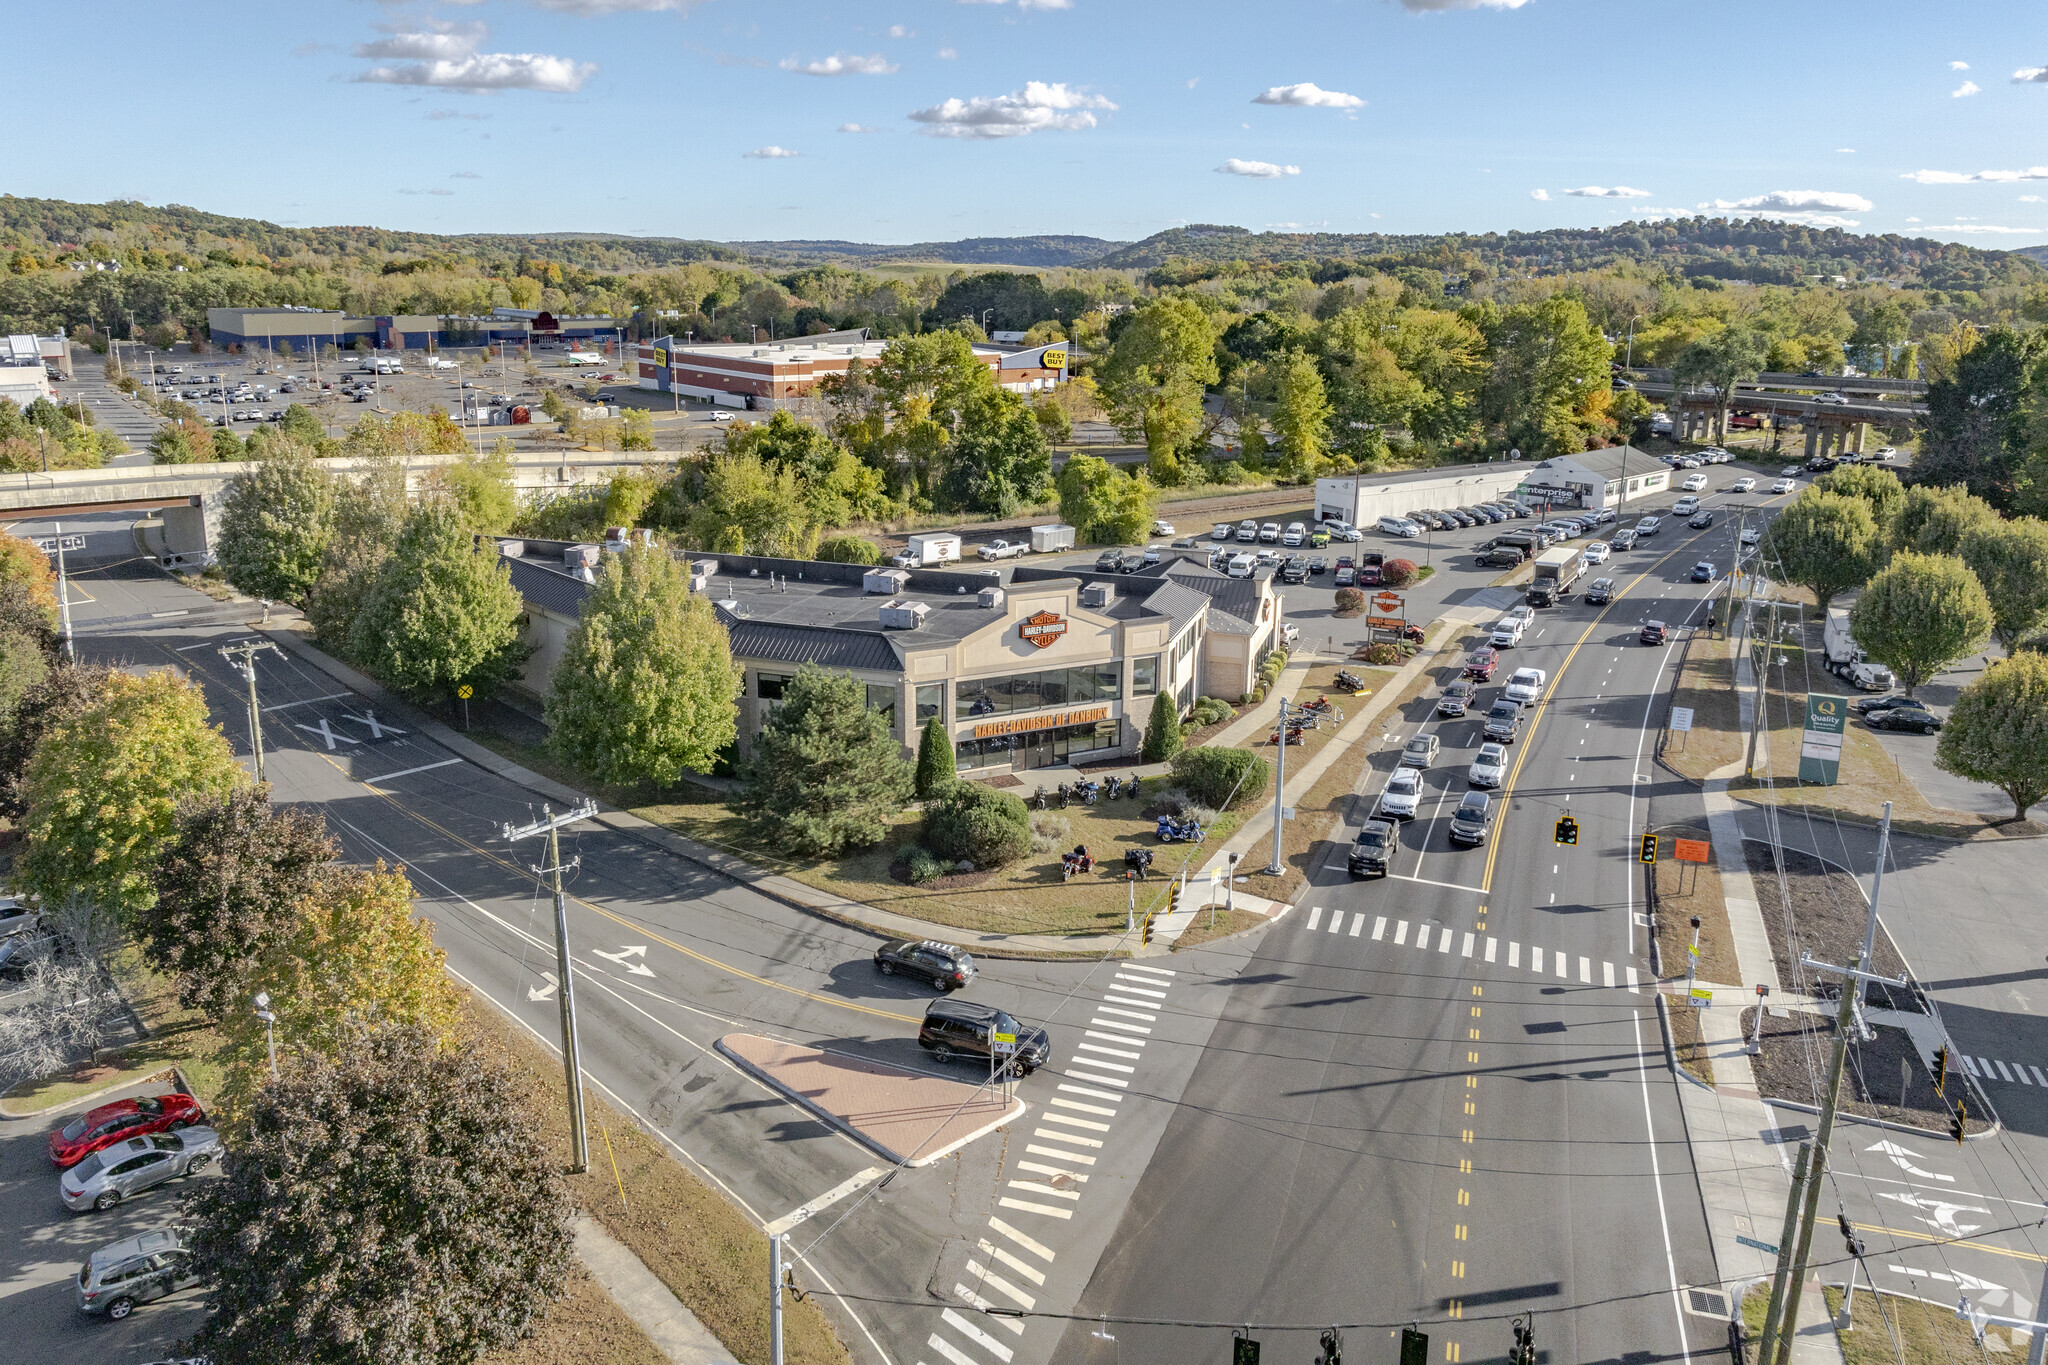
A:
[(913, 120)]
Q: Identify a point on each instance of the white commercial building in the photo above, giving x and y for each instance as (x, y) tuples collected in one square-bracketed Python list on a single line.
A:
[(25, 364), (1363, 499), (1596, 478)]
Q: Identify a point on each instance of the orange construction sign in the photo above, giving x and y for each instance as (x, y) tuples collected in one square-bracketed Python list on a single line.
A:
[(1691, 850)]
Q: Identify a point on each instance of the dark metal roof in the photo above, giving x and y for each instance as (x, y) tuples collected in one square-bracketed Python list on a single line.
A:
[(772, 642), (1181, 603), (549, 587)]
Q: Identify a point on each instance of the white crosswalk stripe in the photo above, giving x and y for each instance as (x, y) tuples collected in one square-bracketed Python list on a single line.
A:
[(1995, 1069), (1486, 947)]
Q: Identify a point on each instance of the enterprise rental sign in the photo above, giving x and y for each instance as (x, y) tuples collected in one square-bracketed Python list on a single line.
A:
[(1020, 724)]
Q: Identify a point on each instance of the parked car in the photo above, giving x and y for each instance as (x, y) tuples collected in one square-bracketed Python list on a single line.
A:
[(1318, 565), (1400, 797), (1161, 527), (1344, 531), (1654, 633), (1458, 695), (1916, 718), (962, 1028), (1402, 527), (1269, 534), (1247, 531), (1221, 531), (1886, 455), (106, 1177), (1489, 768), (1599, 592), (1863, 706), (1318, 537), (1473, 820), (134, 1270), (941, 964), (1346, 576), (110, 1123), (1295, 570), (1373, 850), (1420, 751), (1526, 685), (1294, 535)]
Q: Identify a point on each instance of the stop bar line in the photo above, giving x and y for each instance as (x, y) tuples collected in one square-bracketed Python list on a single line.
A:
[(408, 772)]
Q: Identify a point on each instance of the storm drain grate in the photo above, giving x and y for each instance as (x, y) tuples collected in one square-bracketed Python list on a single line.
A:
[(1708, 1303)]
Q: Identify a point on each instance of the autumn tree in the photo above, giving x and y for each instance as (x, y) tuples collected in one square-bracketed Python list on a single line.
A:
[(276, 523), (1162, 362), (1934, 521), (1104, 504), (480, 488), (645, 688), (1301, 415), (442, 612), (1825, 542), (1922, 613)]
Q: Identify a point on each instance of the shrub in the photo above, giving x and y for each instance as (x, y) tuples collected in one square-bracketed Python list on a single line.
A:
[(975, 822), (1397, 573), (1209, 710), (922, 867), (848, 550), (1350, 601), (1211, 775), (1162, 732), (935, 765), (1383, 653), (1049, 832)]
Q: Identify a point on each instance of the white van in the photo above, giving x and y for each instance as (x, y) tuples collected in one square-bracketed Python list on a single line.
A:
[(1399, 526), (1241, 565)]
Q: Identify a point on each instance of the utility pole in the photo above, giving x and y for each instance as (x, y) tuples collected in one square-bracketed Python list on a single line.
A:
[(1761, 668), (1884, 838), (241, 656), (1275, 868), (565, 993)]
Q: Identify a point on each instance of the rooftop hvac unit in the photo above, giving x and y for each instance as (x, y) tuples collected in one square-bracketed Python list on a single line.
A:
[(901, 614), (991, 598), (1098, 594), (891, 581), (579, 557), (512, 549)]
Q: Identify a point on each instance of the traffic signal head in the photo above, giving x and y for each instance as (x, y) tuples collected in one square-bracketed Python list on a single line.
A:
[(1333, 1347), (1940, 1070), (1567, 830), (1145, 931), (1649, 851), (1956, 1122), (1414, 1347), (1849, 1238), (1244, 1351)]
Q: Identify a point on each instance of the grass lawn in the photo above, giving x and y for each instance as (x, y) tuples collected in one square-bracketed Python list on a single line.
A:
[(1929, 1334), (177, 1037)]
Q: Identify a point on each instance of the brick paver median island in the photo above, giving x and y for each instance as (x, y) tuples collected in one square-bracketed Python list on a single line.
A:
[(906, 1116)]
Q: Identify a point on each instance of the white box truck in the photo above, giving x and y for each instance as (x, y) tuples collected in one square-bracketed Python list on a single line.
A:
[(1846, 659), (1046, 539), (929, 551), (1556, 570)]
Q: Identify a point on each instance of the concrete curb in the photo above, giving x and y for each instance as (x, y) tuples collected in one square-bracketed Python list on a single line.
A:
[(8, 1111)]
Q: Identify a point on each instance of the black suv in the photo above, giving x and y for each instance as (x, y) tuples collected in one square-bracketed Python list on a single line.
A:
[(1109, 561), (1473, 820), (943, 965), (961, 1028), (1374, 848), (1504, 722), (1294, 571)]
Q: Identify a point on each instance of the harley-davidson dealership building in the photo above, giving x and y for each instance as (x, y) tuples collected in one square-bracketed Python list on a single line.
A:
[(1059, 665)]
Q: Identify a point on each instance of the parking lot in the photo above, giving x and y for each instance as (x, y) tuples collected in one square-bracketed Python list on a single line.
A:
[(42, 1246)]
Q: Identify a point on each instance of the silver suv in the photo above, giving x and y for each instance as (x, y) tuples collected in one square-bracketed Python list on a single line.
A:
[(133, 1271)]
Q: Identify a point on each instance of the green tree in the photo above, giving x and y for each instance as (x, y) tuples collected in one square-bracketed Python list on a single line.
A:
[(975, 822), (302, 426), (171, 445), (1216, 777), (931, 376), (935, 764), (1825, 542), (999, 462), (747, 507), (826, 774), (227, 885), (1162, 731), (1301, 415), (1922, 613), (346, 1231), (849, 550), (1162, 362), (441, 612), (276, 524), (1934, 521), (1979, 419), (65, 692), (1546, 386), (2010, 558), (1719, 362), (24, 667), (637, 431), (645, 688), (480, 487), (1997, 732), (103, 786), (1878, 487), (1104, 504)]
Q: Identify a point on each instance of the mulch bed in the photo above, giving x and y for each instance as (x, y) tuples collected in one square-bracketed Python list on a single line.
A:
[(1794, 1066), (1828, 914)]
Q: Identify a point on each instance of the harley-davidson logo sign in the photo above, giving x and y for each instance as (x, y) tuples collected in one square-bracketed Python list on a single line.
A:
[(1044, 628)]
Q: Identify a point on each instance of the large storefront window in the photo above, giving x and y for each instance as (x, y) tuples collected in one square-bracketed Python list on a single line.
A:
[(1031, 691), (768, 686), (882, 701), (931, 701), (1038, 748), (1145, 676)]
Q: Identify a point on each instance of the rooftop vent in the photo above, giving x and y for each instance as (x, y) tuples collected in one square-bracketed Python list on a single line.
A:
[(901, 614), (579, 557), (1098, 594), (991, 598), (891, 581), (512, 549)]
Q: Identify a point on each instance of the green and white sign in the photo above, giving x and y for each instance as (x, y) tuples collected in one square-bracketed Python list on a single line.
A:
[(1820, 744)]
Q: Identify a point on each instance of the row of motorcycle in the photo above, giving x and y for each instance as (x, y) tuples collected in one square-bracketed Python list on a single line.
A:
[(1088, 793)]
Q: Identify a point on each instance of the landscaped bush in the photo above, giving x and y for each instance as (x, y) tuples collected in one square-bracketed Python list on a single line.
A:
[(922, 867), (972, 821), (849, 550), (1176, 802), (1049, 831), (1350, 601), (1211, 774), (1383, 654), (1397, 573), (1208, 711)]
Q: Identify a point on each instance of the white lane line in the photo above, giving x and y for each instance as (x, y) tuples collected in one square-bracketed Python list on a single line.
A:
[(1969, 1065), (1315, 913), (1109, 1052), (1089, 1124), (2002, 1072), (1099, 1022), (1074, 1138), (1010, 1325), (1585, 972), (1127, 1014), (1141, 989), (1149, 971), (1044, 1210), (1336, 920), (973, 1333), (2038, 1076), (1024, 1268), (1535, 959), (1400, 933), (1425, 881), (1492, 945), (1038, 1249), (1114, 1038), (1055, 1172), (1379, 927), (950, 1351), (1563, 961), (1607, 973), (1466, 951), (1084, 1090), (1082, 1157), (1357, 923), (1083, 1108), (996, 1282), (1514, 954), (304, 701), (1631, 980), (408, 772), (1422, 937), (2021, 1073), (1443, 940), (1039, 1187)]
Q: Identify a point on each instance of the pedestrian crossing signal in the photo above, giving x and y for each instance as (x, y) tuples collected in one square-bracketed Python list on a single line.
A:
[(1649, 852), (1414, 1347), (1567, 830)]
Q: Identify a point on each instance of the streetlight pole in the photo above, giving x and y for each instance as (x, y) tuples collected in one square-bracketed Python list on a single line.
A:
[(565, 992), (242, 658), (1276, 867)]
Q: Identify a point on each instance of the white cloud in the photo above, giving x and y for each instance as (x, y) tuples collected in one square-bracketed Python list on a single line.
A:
[(598, 9), (1607, 192), (489, 71), (857, 128), (1966, 89), (1976, 177), (1846, 151), (770, 153), (465, 175), (1308, 95), (448, 42), (436, 192), (2031, 199), (947, 54), (1039, 106), (2028, 75), (1912, 220), (1025, 4), (1539, 194), (898, 31), (441, 115), (1194, 81), (1257, 170), (1988, 228), (1795, 201), (1959, 66), (1437, 6), (843, 64)]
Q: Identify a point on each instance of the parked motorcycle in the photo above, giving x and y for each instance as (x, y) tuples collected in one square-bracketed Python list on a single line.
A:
[(1350, 681), (1039, 800), (1131, 787), (1293, 735), (1065, 795), (1114, 789), (1075, 863), (1088, 791), (1139, 861), (1172, 831), (1317, 707)]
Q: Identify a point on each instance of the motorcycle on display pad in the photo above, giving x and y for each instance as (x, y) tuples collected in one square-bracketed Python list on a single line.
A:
[(1349, 680), (1076, 862), (1172, 831), (1138, 861)]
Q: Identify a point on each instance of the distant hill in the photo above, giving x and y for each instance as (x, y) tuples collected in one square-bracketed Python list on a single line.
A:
[(2033, 253), (1041, 252)]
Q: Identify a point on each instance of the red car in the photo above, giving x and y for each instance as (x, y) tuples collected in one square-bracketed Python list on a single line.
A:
[(1481, 662), (119, 1121)]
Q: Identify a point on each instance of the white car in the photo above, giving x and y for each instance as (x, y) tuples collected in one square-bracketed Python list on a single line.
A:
[(1222, 531), (1742, 485), (1888, 454), (1782, 486), (1751, 535), (1507, 633), (721, 417), (1694, 483), (1490, 767), (1269, 534), (1685, 506), (1162, 527), (1344, 531), (1522, 612), (1525, 686), (1596, 553), (1294, 535), (1400, 797)]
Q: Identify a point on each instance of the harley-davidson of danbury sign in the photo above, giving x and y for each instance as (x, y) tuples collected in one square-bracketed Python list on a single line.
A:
[(1044, 628)]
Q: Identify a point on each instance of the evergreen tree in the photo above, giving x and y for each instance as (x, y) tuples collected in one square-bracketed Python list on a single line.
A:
[(935, 765), (826, 773), (1162, 731)]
